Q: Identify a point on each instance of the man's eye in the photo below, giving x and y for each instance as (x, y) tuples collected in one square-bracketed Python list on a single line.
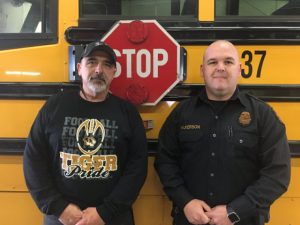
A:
[(212, 63), (91, 62), (108, 65)]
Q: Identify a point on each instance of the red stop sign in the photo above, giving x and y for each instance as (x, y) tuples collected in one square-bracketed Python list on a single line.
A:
[(148, 61)]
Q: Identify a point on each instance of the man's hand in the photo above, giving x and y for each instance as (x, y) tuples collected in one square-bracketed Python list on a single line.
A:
[(195, 212), (218, 216), (90, 217), (71, 215)]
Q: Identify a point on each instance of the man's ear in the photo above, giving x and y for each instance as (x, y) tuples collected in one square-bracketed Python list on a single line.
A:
[(79, 69), (240, 69), (201, 70)]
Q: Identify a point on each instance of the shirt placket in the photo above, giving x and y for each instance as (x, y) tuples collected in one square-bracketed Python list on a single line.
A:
[(214, 138)]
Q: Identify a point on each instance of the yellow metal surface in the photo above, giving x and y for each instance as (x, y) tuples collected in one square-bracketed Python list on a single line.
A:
[(149, 210), (17, 208), (17, 117), (152, 186), (11, 174), (35, 64), (152, 206), (286, 111), (206, 10), (278, 66), (285, 211), (42, 63), (158, 114), (294, 190)]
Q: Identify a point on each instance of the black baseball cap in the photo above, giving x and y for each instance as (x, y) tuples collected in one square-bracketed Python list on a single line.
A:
[(100, 46)]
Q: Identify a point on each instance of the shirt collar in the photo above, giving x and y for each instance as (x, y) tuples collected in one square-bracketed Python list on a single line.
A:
[(237, 96)]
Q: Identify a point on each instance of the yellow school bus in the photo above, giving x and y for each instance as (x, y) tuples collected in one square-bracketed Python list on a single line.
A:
[(36, 40)]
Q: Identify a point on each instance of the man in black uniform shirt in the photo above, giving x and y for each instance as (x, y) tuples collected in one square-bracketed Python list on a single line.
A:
[(223, 156)]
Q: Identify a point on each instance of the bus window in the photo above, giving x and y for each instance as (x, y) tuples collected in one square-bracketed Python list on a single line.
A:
[(257, 7), (20, 16), (141, 8), (95, 7), (31, 22), (292, 7)]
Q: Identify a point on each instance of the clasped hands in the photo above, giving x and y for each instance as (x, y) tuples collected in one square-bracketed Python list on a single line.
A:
[(73, 215), (198, 212)]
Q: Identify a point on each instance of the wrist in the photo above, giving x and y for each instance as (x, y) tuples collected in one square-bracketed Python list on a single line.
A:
[(232, 215)]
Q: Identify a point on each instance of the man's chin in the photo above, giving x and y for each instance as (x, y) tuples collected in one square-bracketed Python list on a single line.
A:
[(97, 88), (100, 90), (219, 91), (220, 88)]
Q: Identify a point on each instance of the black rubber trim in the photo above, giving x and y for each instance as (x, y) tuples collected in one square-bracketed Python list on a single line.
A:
[(15, 146), (12, 146), (35, 91), (269, 93), (287, 34)]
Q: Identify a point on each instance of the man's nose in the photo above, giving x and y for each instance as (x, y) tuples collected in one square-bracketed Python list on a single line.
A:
[(220, 66), (99, 68)]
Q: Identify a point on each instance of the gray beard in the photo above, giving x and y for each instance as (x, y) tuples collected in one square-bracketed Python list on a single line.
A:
[(97, 88)]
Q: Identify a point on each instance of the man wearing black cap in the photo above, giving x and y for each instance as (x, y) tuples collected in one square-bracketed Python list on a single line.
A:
[(97, 69), (85, 159)]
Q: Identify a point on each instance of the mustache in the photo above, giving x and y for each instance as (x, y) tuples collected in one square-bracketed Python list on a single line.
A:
[(98, 77)]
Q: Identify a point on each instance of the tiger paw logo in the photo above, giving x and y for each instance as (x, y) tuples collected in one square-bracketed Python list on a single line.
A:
[(89, 136)]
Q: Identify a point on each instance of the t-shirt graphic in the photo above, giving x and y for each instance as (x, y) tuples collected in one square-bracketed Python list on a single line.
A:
[(87, 148)]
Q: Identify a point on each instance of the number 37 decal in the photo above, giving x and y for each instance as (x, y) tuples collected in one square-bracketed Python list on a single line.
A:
[(248, 67)]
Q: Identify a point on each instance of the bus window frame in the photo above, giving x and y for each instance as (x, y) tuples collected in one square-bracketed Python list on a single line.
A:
[(20, 40), (106, 21), (188, 30)]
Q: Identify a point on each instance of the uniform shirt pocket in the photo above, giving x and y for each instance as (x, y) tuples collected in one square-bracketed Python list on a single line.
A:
[(191, 141), (194, 150), (188, 136), (245, 144)]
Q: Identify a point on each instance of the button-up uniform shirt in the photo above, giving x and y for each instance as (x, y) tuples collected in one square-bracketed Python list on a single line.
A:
[(234, 154)]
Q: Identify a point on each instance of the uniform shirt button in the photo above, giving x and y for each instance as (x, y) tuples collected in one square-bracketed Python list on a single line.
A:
[(241, 141), (213, 154), (216, 117), (214, 135), (211, 193), (212, 174)]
